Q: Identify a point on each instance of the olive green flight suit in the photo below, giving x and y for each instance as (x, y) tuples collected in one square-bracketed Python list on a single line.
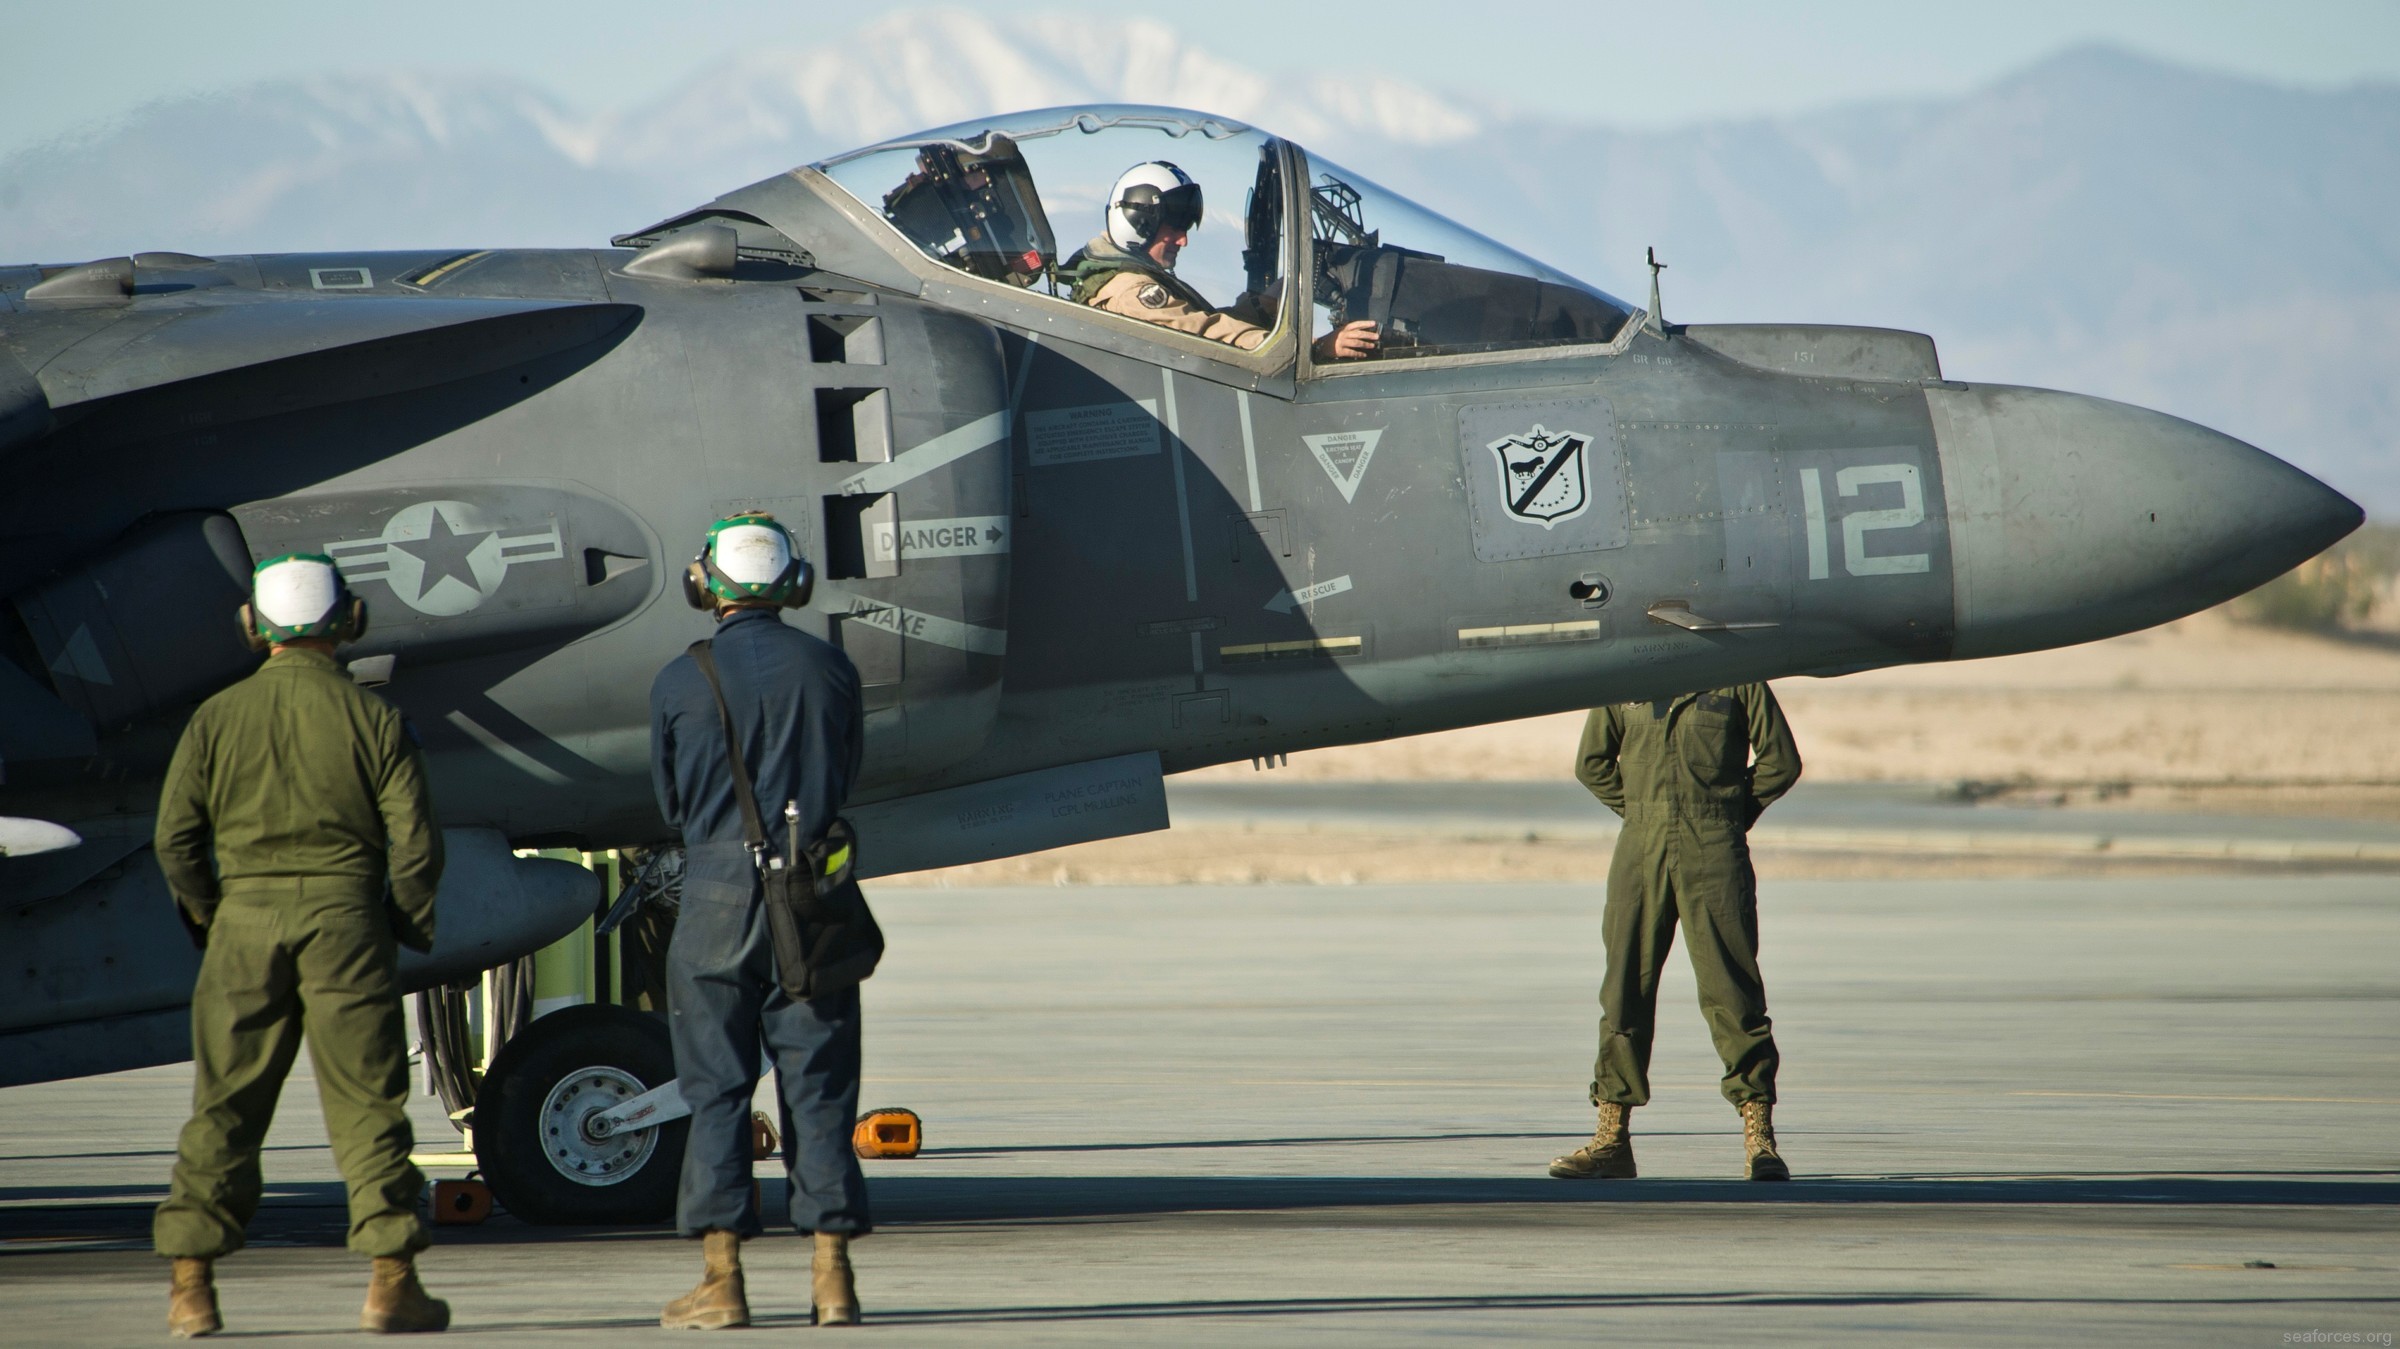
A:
[(1680, 773), (310, 795)]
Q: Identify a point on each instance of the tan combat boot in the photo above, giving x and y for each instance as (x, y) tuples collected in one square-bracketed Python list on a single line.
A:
[(720, 1302), (1758, 1143), (1609, 1156), (834, 1289), (396, 1302), (192, 1301)]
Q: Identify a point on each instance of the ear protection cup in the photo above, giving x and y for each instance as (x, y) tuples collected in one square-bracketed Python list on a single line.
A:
[(354, 621), (695, 585), (250, 637)]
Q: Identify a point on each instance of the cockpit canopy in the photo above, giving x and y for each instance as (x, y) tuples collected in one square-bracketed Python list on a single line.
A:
[(990, 197)]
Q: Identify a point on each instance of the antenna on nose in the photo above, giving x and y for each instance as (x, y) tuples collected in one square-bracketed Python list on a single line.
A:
[(1658, 318)]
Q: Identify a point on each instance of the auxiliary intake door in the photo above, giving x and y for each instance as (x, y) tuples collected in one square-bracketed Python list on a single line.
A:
[(888, 458)]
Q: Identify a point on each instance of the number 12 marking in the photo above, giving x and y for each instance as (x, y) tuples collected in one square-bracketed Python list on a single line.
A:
[(1856, 525)]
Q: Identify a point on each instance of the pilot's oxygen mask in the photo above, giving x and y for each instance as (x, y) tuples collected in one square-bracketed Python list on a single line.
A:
[(978, 211)]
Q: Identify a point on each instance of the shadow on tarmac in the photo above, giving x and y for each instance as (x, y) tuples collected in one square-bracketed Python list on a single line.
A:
[(968, 1199), (39, 1215), (120, 1154), (1226, 1309), (1208, 1144), (1128, 1311)]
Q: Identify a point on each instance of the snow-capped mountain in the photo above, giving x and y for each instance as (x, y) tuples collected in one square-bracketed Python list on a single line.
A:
[(2212, 246), (927, 69), (401, 160)]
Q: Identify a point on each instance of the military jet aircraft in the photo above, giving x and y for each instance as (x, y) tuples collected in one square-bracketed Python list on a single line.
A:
[(1069, 550)]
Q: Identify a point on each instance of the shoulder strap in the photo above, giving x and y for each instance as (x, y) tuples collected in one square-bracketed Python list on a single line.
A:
[(754, 829), (1093, 270), (1141, 265), (1183, 290)]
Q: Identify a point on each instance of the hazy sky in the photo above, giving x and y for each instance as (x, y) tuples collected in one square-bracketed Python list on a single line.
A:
[(1648, 64)]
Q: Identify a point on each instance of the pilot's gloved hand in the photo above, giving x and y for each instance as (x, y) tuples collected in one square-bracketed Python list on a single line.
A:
[(1355, 339)]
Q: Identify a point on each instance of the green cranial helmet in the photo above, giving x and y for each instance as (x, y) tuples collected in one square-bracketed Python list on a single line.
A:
[(297, 596), (749, 558)]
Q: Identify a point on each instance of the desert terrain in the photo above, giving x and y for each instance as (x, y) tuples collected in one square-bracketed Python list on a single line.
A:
[(2200, 707), (2205, 715)]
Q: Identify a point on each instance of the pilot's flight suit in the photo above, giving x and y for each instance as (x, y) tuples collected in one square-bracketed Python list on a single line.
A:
[(1107, 277), (310, 793), (1680, 773), (795, 704)]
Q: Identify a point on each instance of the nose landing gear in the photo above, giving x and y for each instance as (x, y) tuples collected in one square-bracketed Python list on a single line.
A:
[(543, 1135)]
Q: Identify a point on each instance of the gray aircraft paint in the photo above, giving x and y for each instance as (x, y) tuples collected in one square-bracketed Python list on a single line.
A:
[(113, 969), (1206, 554)]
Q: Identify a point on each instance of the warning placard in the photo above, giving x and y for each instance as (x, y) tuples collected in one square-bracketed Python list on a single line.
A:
[(965, 536), (1345, 456), (1102, 431)]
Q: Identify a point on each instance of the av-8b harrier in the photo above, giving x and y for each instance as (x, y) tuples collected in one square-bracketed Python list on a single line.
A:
[(1070, 549)]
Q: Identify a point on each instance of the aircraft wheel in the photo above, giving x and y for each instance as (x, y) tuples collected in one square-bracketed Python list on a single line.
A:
[(555, 1074)]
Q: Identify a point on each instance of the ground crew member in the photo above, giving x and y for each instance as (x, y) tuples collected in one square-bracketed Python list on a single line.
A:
[(1681, 773), (794, 701), (294, 799), (1129, 268)]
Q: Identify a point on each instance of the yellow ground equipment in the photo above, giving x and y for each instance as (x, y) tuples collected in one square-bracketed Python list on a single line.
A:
[(888, 1133)]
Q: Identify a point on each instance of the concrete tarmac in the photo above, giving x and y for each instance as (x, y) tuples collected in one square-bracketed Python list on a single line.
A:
[(2131, 1111), (1886, 817)]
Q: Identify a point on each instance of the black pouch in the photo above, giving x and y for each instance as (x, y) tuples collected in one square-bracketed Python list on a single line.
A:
[(825, 938), (823, 930)]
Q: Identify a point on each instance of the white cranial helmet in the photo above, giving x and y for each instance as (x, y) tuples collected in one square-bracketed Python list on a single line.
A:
[(748, 557), (754, 555), (295, 592), (300, 595), (1148, 200)]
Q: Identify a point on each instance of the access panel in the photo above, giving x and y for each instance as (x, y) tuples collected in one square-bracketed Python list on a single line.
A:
[(1544, 476)]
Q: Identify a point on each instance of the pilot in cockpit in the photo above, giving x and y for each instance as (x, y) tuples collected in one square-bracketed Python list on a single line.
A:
[(1130, 269)]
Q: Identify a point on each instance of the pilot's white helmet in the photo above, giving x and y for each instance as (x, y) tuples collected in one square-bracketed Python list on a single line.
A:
[(1148, 200)]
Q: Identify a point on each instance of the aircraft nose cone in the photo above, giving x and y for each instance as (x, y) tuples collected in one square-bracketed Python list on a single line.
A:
[(2075, 518)]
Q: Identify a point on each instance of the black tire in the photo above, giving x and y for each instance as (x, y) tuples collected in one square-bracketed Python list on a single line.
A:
[(587, 1053)]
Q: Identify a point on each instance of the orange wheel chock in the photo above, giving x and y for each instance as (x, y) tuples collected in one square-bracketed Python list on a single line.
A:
[(888, 1133), (762, 1136), (461, 1202)]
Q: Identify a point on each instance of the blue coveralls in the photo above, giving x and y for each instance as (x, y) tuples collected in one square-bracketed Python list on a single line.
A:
[(796, 709)]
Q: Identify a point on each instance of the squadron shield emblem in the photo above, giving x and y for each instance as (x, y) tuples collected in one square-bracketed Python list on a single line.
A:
[(1542, 477)]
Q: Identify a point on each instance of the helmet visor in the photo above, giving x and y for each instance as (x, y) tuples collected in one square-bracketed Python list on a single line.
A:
[(1179, 208)]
